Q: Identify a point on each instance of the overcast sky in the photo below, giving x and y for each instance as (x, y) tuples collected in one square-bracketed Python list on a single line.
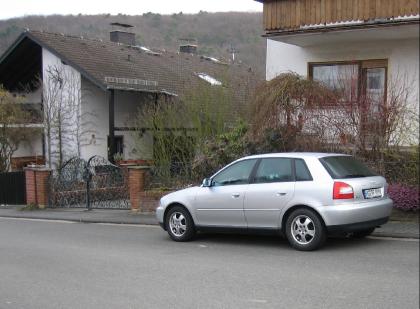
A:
[(17, 8)]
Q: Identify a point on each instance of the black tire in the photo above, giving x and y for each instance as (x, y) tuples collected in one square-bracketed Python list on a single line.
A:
[(308, 234), (363, 233), (183, 228)]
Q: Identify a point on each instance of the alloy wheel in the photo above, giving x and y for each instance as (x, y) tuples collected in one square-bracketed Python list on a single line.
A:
[(178, 224), (303, 229)]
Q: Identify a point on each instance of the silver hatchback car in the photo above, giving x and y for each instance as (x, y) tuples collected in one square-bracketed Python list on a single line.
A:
[(304, 196)]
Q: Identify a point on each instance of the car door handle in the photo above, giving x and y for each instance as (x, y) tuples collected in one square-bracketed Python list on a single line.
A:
[(281, 193), (236, 195)]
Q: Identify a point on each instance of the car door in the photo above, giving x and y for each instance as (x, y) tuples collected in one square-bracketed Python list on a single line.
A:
[(271, 188), (221, 204)]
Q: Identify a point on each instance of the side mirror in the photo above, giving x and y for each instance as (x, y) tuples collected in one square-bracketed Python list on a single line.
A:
[(206, 182)]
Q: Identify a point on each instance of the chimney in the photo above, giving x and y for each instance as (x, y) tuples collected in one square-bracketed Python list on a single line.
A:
[(188, 48), (123, 35)]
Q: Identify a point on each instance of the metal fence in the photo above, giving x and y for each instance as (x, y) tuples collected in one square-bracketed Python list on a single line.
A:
[(95, 183)]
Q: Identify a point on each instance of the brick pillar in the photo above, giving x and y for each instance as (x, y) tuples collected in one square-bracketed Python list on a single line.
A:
[(37, 186), (136, 182)]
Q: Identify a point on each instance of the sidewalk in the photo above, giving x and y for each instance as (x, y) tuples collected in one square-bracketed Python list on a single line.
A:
[(391, 229), (81, 215)]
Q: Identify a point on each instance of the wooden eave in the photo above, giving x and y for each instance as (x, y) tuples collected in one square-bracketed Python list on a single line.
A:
[(326, 29)]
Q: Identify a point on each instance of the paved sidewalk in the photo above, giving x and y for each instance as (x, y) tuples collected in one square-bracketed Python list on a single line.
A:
[(82, 215), (391, 229)]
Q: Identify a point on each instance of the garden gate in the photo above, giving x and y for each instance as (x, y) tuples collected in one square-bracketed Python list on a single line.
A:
[(96, 183)]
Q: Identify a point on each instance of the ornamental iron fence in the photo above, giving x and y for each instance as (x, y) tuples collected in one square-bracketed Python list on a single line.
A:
[(95, 183)]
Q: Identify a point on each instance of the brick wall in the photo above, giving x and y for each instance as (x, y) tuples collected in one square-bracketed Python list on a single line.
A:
[(141, 200), (37, 186), (136, 178), (149, 200)]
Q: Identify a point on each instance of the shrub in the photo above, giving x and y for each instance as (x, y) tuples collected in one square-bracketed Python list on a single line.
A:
[(220, 150), (405, 197)]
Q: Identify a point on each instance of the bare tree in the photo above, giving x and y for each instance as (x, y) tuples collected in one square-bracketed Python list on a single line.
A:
[(62, 113), (370, 124), (284, 108)]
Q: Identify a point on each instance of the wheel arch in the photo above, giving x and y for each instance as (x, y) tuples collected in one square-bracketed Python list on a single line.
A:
[(293, 208), (172, 205)]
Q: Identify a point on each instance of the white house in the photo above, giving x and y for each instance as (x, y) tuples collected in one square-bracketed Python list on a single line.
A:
[(375, 42), (93, 89)]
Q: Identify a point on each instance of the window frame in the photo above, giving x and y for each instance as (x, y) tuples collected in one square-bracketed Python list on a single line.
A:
[(257, 165), (232, 164), (363, 65)]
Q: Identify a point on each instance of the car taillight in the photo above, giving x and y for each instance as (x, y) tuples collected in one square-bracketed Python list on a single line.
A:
[(342, 191)]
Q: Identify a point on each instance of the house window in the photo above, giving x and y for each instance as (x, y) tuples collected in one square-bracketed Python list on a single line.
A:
[(354, 80), (338, 77)]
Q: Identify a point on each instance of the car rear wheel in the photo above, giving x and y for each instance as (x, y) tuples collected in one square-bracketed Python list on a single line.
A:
[(363, 233), (305, 230), (179, 224)]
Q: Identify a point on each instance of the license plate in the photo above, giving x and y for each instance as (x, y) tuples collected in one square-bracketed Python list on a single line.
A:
[(372, 193)]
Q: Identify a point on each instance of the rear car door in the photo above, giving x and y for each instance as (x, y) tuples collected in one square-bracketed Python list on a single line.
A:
[(272, 186), (221, 205)]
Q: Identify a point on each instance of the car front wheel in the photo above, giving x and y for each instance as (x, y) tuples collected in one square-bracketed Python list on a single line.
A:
[(179, 224), (304, 230)]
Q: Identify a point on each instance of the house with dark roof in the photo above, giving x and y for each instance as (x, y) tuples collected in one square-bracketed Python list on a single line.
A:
[(93, 88)]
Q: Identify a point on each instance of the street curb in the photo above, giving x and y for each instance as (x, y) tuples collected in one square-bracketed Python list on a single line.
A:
[(390, 235), (155, 223), (82, 220)]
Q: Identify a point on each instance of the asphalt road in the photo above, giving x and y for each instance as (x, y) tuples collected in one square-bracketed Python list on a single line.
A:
[(74, 265)]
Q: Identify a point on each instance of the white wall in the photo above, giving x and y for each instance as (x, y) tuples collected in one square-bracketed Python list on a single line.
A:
[(126, 110), (94, 115), (69, 96), (402, 55), (95, 123)]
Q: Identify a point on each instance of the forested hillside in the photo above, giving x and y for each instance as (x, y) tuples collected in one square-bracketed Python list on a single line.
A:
[(216, 33)]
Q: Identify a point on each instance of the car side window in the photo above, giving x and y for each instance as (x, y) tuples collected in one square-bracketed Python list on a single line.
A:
[(302, 171), (236, 174), (274, 170)]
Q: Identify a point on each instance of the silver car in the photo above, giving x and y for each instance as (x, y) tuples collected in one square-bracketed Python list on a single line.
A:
[(304, 196)]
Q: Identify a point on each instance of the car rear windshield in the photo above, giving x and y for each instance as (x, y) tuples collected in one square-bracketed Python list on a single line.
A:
[(345, 167)]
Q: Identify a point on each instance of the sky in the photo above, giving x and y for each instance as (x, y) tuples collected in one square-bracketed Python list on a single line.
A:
[(18, 8)]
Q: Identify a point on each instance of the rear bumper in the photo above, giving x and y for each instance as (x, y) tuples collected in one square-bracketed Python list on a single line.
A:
[(354, 227), (357, 213)]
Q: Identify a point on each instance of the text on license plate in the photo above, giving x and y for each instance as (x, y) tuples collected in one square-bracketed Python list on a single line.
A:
[(372, 193)]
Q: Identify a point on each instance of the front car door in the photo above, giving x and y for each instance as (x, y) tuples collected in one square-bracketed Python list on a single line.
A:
[(221, 204), (271, 188)]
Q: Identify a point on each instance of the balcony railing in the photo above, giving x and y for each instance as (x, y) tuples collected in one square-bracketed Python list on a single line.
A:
[(290, 15)]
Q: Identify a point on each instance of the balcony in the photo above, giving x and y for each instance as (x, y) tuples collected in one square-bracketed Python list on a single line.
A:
[(291, 17)]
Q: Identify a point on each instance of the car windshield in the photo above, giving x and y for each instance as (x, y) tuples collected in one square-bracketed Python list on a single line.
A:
[(340, 167)]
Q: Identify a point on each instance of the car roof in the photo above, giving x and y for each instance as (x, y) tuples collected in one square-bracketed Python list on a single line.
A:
[(294, 155)]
